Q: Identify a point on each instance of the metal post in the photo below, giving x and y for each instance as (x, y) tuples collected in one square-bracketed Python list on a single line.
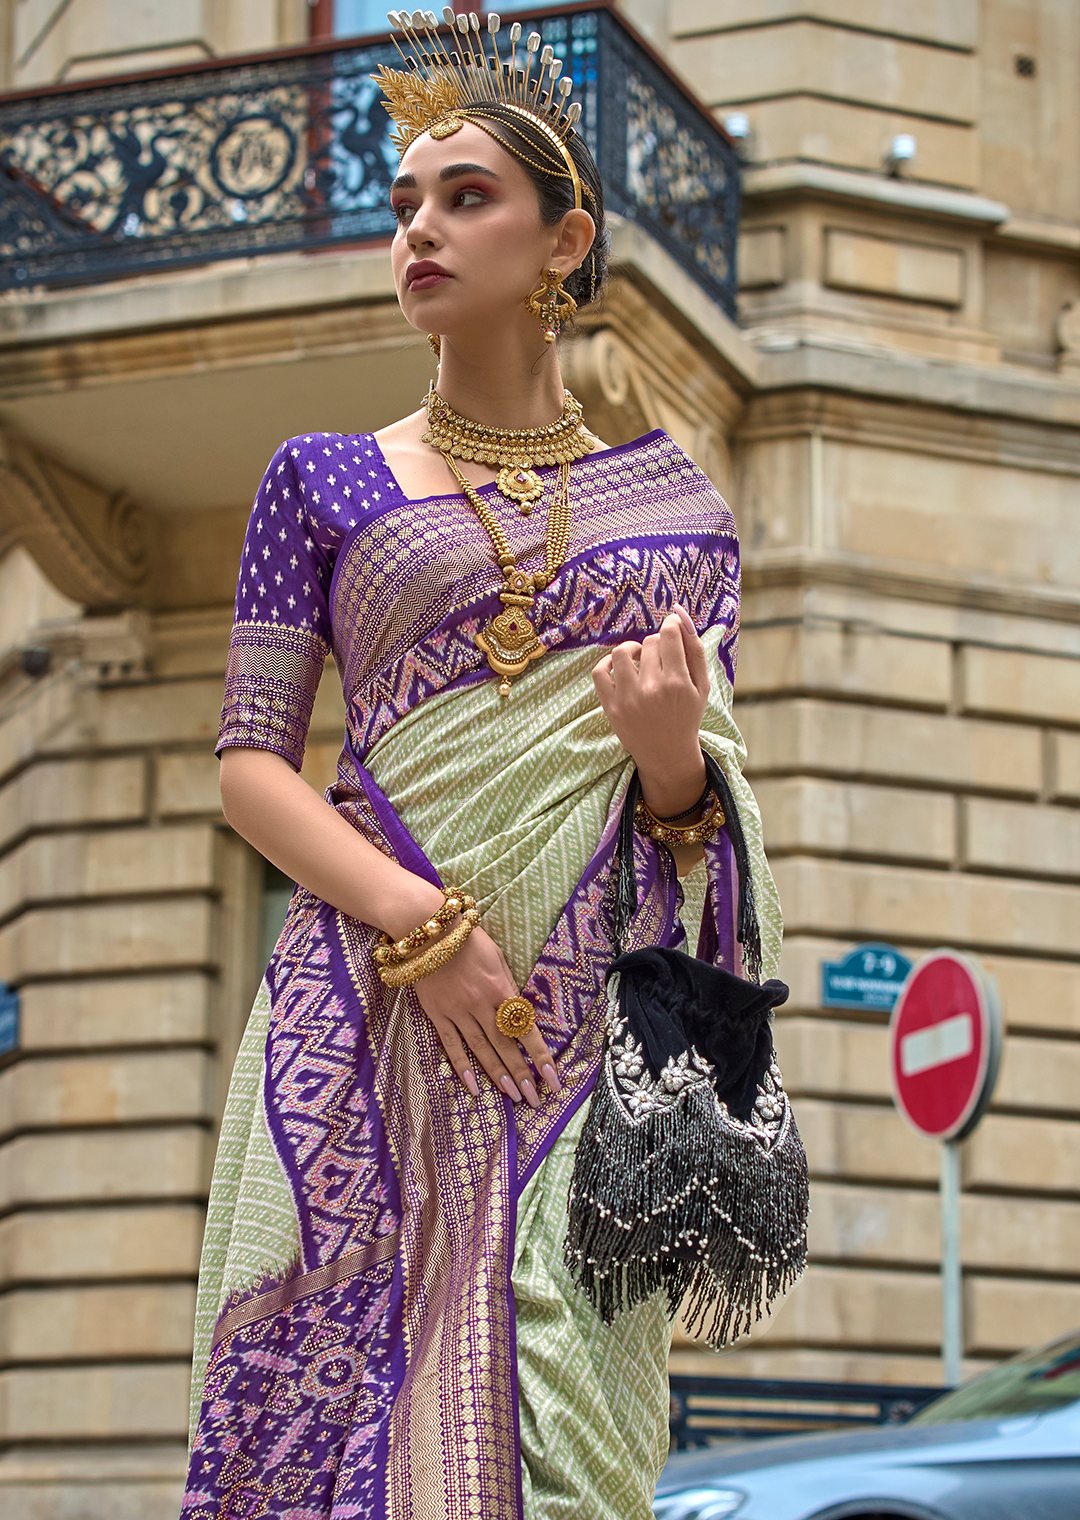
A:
[(952, 1304)]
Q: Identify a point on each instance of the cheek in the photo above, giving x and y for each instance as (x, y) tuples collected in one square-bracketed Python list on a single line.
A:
[(399, 250), (501, 255)]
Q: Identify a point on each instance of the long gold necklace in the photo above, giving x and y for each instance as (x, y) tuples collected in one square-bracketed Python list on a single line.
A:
[(510, 640), (518, 450)]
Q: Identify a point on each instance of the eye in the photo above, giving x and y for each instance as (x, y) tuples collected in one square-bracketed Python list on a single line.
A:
[(403, 211), (470, 198)]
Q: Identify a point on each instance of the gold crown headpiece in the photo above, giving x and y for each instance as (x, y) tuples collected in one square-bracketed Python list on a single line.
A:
[(450, 79)]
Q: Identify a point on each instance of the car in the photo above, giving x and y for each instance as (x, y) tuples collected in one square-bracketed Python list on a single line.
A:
[(1003, 1446)]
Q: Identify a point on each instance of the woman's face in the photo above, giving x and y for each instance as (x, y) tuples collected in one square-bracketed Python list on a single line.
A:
[(470, 244)]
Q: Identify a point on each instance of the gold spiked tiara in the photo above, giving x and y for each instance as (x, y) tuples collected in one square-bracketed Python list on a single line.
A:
[(450, 79)]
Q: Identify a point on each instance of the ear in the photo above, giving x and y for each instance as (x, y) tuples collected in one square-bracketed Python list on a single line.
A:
[(576, 232)]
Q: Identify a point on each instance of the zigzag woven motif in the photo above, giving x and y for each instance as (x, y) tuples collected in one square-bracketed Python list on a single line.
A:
[(612, 594), (318, 1094)]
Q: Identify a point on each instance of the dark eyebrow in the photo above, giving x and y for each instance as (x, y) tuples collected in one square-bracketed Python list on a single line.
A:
[(455, 171), (452, 171)]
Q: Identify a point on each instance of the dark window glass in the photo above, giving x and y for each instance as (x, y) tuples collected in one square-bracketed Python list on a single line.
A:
[(274, 904)]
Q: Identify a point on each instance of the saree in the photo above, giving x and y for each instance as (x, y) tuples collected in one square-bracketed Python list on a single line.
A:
[(385, 1324)]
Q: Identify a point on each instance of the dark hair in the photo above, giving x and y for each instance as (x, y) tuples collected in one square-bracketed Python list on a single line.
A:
[(555, 191)]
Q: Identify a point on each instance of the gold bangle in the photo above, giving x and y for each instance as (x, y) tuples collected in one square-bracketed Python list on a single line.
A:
[(405, 973), (515, 1017), (705, 829), (389, 952)]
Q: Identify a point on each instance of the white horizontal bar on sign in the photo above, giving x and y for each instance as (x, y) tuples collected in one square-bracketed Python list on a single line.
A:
[(937, 1044)]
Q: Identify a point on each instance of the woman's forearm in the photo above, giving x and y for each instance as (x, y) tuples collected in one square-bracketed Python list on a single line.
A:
[(270, 806)]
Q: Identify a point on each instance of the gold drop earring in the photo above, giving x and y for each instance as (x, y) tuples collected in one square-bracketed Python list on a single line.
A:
[(551, 304), (435, 344)]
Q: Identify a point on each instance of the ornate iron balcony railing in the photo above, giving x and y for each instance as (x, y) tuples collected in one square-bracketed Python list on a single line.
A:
[(291, 151)]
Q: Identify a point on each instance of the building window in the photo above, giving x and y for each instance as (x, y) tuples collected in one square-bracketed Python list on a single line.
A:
[(360, 18)]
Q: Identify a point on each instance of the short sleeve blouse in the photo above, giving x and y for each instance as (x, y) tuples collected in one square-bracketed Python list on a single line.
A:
[(315, 491)]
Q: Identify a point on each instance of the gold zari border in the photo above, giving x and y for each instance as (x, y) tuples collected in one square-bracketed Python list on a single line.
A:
[(328, 1276)]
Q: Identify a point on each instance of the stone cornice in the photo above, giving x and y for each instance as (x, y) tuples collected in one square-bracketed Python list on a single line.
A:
[(227, 291), (872, 578), (918, 428), (895, 194), (93, 545), (999, 390)]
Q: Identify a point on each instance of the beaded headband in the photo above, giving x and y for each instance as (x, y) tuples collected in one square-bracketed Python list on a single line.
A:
[(448, 82)]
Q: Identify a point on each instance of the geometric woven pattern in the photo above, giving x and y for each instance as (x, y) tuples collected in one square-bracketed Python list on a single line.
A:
[(346, 1380)]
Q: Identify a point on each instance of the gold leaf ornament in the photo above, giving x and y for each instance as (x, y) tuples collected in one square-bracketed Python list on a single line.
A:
[(414, 103)]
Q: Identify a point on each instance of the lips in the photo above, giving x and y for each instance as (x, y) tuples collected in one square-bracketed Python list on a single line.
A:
[(425, 275)]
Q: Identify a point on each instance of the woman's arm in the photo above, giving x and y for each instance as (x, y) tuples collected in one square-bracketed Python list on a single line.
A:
[(267, 803)]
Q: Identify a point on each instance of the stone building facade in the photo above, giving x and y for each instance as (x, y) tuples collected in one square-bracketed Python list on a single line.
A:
[(896, 418)]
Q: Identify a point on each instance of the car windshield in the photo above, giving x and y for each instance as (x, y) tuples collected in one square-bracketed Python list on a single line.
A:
[(1046, 1378)]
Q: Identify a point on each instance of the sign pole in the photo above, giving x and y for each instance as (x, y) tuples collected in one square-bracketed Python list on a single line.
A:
[(952, 1283), (944, 1052)]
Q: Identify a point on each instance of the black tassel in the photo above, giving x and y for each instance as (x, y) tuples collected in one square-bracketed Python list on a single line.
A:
[(749, 930)]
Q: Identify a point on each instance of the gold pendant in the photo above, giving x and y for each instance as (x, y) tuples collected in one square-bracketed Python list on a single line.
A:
[(520, 484), (510, 640)]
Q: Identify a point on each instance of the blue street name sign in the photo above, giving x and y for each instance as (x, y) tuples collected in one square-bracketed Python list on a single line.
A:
[(9, 1019), (870, 976)]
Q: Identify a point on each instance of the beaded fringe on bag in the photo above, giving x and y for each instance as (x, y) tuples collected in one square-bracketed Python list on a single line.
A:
[(690, 1177)]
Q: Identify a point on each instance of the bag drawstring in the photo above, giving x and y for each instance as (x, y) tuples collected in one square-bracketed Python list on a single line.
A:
[(626, 894)]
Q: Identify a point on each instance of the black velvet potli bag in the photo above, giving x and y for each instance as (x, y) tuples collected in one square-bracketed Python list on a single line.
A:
[(690, 1176)]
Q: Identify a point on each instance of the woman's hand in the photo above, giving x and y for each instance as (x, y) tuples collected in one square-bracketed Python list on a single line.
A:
[(654, 694), (460, 999)]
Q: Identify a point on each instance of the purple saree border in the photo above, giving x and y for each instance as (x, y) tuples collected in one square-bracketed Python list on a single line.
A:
[(402, 500), (445, 658)]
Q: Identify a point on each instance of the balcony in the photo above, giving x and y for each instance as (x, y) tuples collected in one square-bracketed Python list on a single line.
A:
[(291, 151)]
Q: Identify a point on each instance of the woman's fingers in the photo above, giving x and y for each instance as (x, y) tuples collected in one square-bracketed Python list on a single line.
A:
[(541, 1057), (501, 1059), (673, 647), (697, 660), (651, 663), (625, 659), (459, 1057)]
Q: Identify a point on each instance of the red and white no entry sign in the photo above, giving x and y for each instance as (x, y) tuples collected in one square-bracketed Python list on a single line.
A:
[(945, 1045)]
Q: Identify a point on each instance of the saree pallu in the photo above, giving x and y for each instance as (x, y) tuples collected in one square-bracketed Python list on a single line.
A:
[(358, 1350)]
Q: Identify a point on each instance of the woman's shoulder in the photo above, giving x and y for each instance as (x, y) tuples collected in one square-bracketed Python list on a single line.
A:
[(323, 450), (653, 455), (339, 475)]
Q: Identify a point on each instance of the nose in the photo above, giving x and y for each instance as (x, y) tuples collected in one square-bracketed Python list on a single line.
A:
[(421, 232)]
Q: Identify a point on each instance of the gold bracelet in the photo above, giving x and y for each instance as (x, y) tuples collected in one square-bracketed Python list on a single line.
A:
[(405, 973), (705, 829), (389, 952)]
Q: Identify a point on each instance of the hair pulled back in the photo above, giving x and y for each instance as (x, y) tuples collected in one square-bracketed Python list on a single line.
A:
[(554, 189)]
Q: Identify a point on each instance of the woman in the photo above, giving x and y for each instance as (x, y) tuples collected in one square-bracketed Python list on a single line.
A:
[(386, 1325)]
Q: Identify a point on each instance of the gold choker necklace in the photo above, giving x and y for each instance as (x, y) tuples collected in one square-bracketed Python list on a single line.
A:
[(516, 449)]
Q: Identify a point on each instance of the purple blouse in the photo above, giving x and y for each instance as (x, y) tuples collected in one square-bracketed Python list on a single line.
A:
[(316, 490), (337, 560)]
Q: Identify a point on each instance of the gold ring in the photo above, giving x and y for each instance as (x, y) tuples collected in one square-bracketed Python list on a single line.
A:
[(515, 1017)]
